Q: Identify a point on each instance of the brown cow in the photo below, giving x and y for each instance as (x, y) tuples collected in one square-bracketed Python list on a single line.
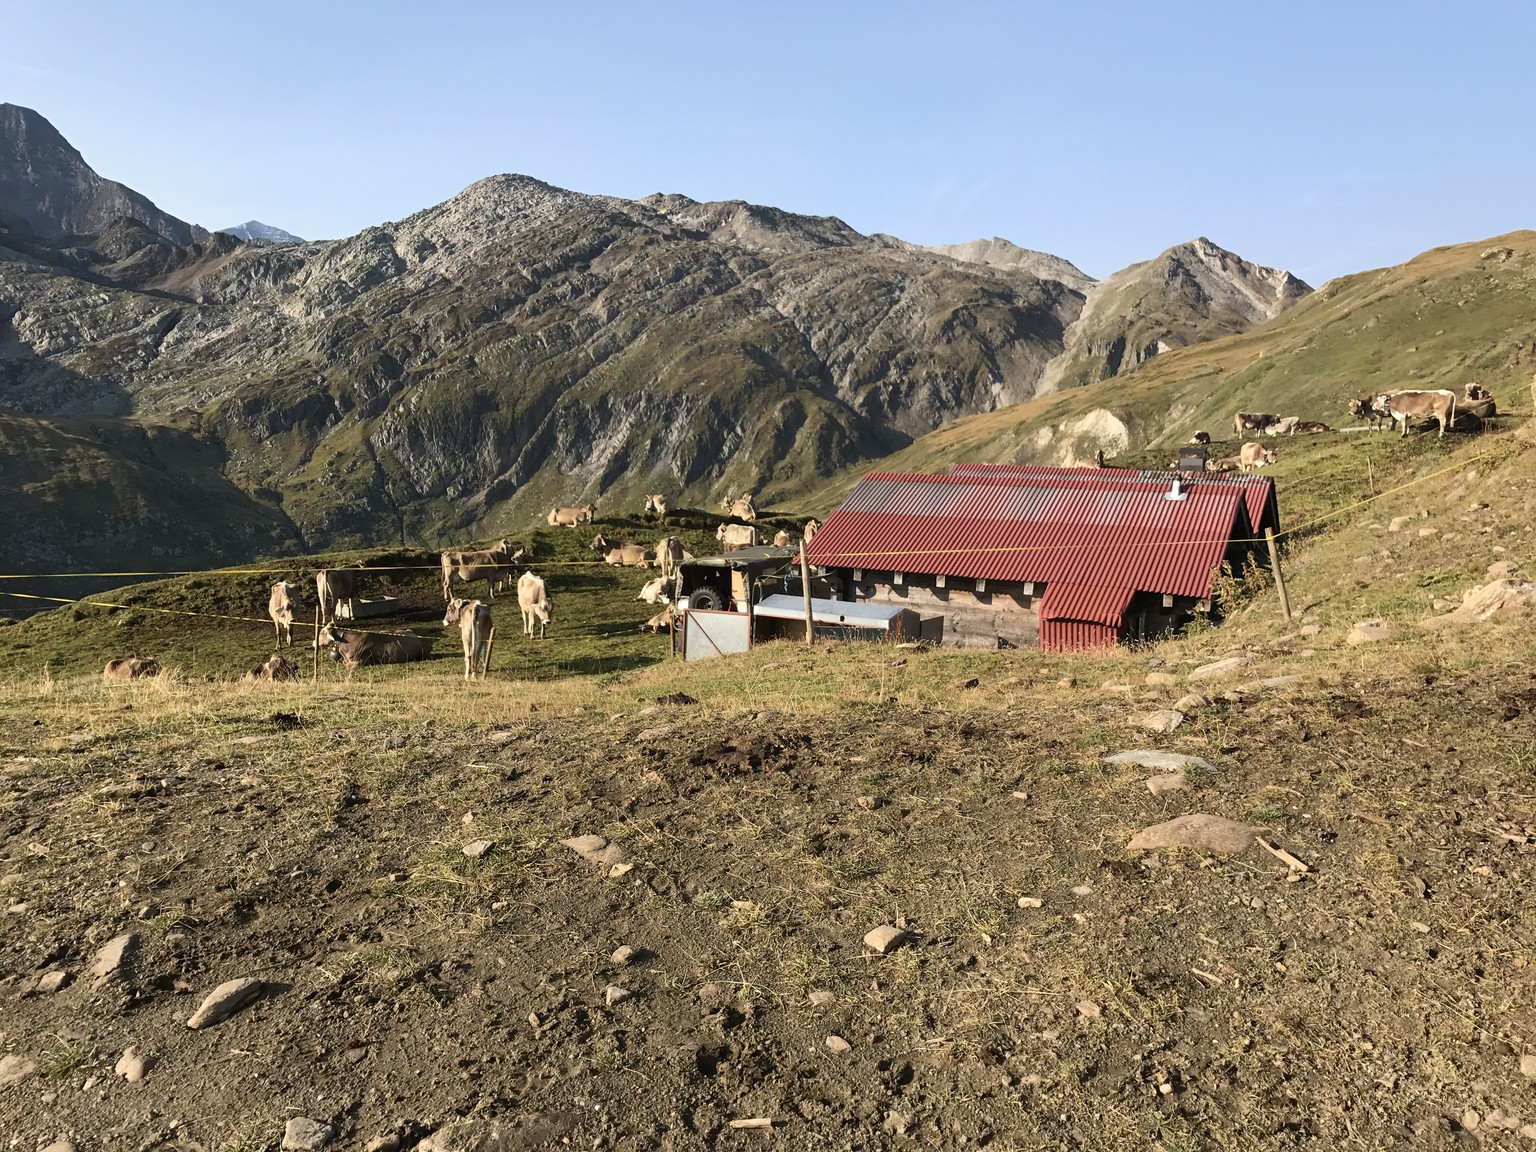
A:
[(1366, 409), (475, 630), (333, 585), (657, 505), (489, 564), (281, 601), (1282, 426), (1403, 405), (357, 649), (275, 670), (663, 621), (669, 554), (131, 668), (1252, 421), (735, 536)]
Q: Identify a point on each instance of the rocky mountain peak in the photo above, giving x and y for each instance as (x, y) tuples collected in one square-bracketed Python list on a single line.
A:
[(1000, 253), (47, 184), (256, 230)]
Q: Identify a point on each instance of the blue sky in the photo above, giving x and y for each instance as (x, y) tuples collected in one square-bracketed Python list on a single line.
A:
[(1322, 138)]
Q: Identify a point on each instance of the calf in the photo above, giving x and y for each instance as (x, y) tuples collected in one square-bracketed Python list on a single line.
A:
[(535, 603), (275, 670), (1404, 405), (359, 649), (476, 630), (1312, 426), (1252, 421), (1255, 456), (281, 601)]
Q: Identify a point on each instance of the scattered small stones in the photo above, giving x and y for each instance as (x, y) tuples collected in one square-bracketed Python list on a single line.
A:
[(1083, 890), (301, 1134), (50, 982), (1163, 761), (838, 1044), (884, 939), (821, 998), (1165, 720), (1200, 831), (1307, 631), (627, 954), (1218, 669), (1368, 632), (1066, 682), (1419, 926), (1187, 704), (132, 1066), (1470, 1119), (1397, 523), (1161, 679), (14, 1069), (614, 994), (896, 1123), (1168, 782), (475, 849), (871, 803), (114, 958), (1088, 1010), (1528, 1066), (389, 1142), (596, 850), (1031, 902), (225, 1000)]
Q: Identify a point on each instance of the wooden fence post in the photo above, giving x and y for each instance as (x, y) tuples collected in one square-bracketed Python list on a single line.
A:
[(315, 676), (1274, 566), (805, 586)]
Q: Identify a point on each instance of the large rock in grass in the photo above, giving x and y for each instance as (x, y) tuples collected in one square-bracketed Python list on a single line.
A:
[(1200, 831)]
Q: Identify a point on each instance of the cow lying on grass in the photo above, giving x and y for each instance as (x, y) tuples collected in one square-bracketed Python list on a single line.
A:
[(358, 649), (274, 671), (131, 668)]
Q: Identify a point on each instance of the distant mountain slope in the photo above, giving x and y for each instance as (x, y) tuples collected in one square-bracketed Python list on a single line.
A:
[(48, 185), (1450, 316), (1189, 294), (1001, 253), (256, 230)]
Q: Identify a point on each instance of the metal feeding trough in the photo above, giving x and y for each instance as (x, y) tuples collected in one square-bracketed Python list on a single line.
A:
[(362, 608)]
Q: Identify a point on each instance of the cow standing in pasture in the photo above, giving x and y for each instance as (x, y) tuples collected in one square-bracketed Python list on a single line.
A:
[(669, 554), (282, 599), (535, 603), (1437, 404), (476, 628), (491, 565), (1252, 421), (657, 505), (1366, 409), (358, 649), (781, 539), (333, 585), (811, 528)]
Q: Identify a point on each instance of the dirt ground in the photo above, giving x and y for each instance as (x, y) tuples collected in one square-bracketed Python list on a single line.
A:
[(413, 995)]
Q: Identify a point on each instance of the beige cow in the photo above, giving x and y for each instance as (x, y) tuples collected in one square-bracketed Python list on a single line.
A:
[(654, 591), (274, 671), (476, 628), (1437, 404), (735, 536), (571, 517), (281, 601), (663, 621), (131, 668), (489, 564), (811, 528), (333, 585), (535, 603), (669, 554), (1255, 456), (781, 539), (657, 505)]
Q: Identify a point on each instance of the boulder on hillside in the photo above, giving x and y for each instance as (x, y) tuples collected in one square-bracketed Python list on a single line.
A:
[(1487, 600)]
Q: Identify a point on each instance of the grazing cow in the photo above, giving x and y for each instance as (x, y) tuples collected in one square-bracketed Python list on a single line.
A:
[(654, 591), (333, 585), (571, 517), (1438, 404), (1200, 438), (629, 556), (662, 621), (275, 670), (489, 564), (1252, 421), (280, 604), (1255, 456), (131, 668), (1283, 426), (535, 603), (781, 539), (1366, 409), (735, 536), (811, 528), (657, 505), (475, 629), (669, 554), (359, 649)]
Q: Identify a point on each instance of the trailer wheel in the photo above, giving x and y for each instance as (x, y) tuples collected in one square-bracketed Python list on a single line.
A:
[(706, 599)]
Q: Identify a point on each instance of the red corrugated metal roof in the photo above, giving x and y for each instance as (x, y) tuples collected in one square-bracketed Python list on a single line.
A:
[(1097, 532), (1086, 603), (1258, 491), (1076, 636)]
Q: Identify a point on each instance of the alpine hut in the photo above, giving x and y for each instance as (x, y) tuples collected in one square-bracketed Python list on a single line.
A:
[(1056, 558)]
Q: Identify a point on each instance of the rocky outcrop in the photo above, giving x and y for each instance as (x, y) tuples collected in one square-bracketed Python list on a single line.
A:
[(47, 184), (1000, 253), (1191, 293)]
